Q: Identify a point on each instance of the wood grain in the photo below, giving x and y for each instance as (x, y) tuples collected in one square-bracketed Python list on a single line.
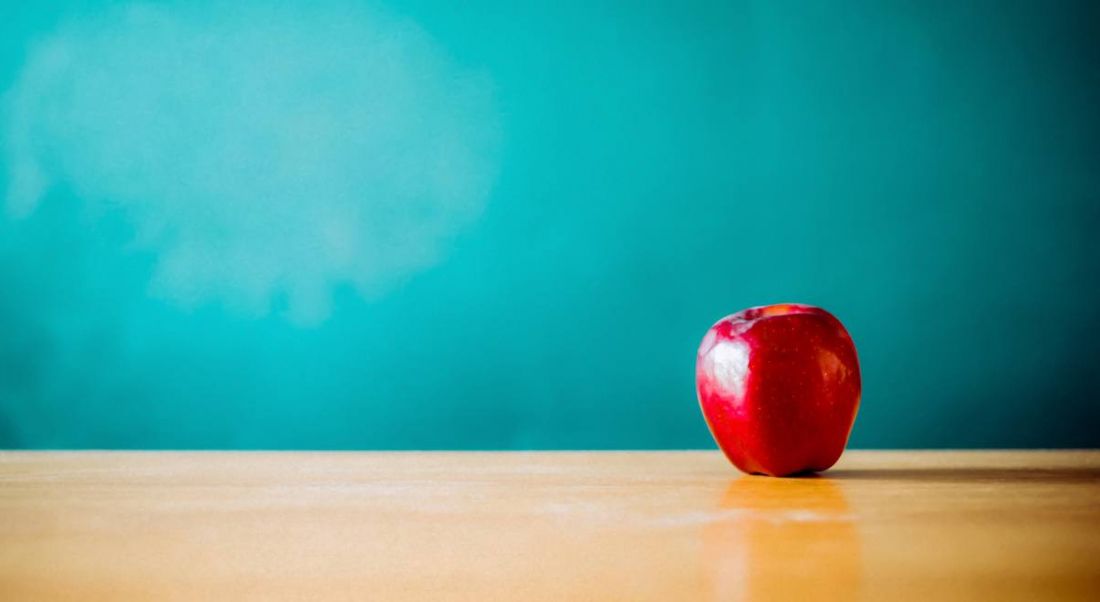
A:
[(546, 526)]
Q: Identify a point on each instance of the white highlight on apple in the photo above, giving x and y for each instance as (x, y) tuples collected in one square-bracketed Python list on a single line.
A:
[(728, 366)]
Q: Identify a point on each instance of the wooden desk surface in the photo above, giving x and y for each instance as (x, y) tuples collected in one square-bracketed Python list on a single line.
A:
[(546, 526)]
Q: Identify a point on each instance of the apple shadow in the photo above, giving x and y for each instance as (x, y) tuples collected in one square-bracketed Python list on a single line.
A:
[(806, 474), (1058, 476)]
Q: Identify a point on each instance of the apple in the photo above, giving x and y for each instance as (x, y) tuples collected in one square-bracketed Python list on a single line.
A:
[(779, 387)]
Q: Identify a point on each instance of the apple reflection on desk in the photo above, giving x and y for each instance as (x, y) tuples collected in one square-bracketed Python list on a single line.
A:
[(782, 539)]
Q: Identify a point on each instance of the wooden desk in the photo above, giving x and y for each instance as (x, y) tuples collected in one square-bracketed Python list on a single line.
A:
[(546, 526)]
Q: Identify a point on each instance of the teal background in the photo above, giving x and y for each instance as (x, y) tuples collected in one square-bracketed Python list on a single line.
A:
[(928, 171)]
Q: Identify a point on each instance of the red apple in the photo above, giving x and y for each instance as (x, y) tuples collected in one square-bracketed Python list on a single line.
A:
[(779, 387)]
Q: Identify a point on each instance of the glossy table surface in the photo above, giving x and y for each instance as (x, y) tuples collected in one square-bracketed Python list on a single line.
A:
[(546, 526)]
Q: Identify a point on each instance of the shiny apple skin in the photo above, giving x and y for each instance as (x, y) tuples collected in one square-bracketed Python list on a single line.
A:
[(779, 386)]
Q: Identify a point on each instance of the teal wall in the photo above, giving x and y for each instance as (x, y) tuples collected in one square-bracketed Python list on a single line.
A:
[(507, 225)]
